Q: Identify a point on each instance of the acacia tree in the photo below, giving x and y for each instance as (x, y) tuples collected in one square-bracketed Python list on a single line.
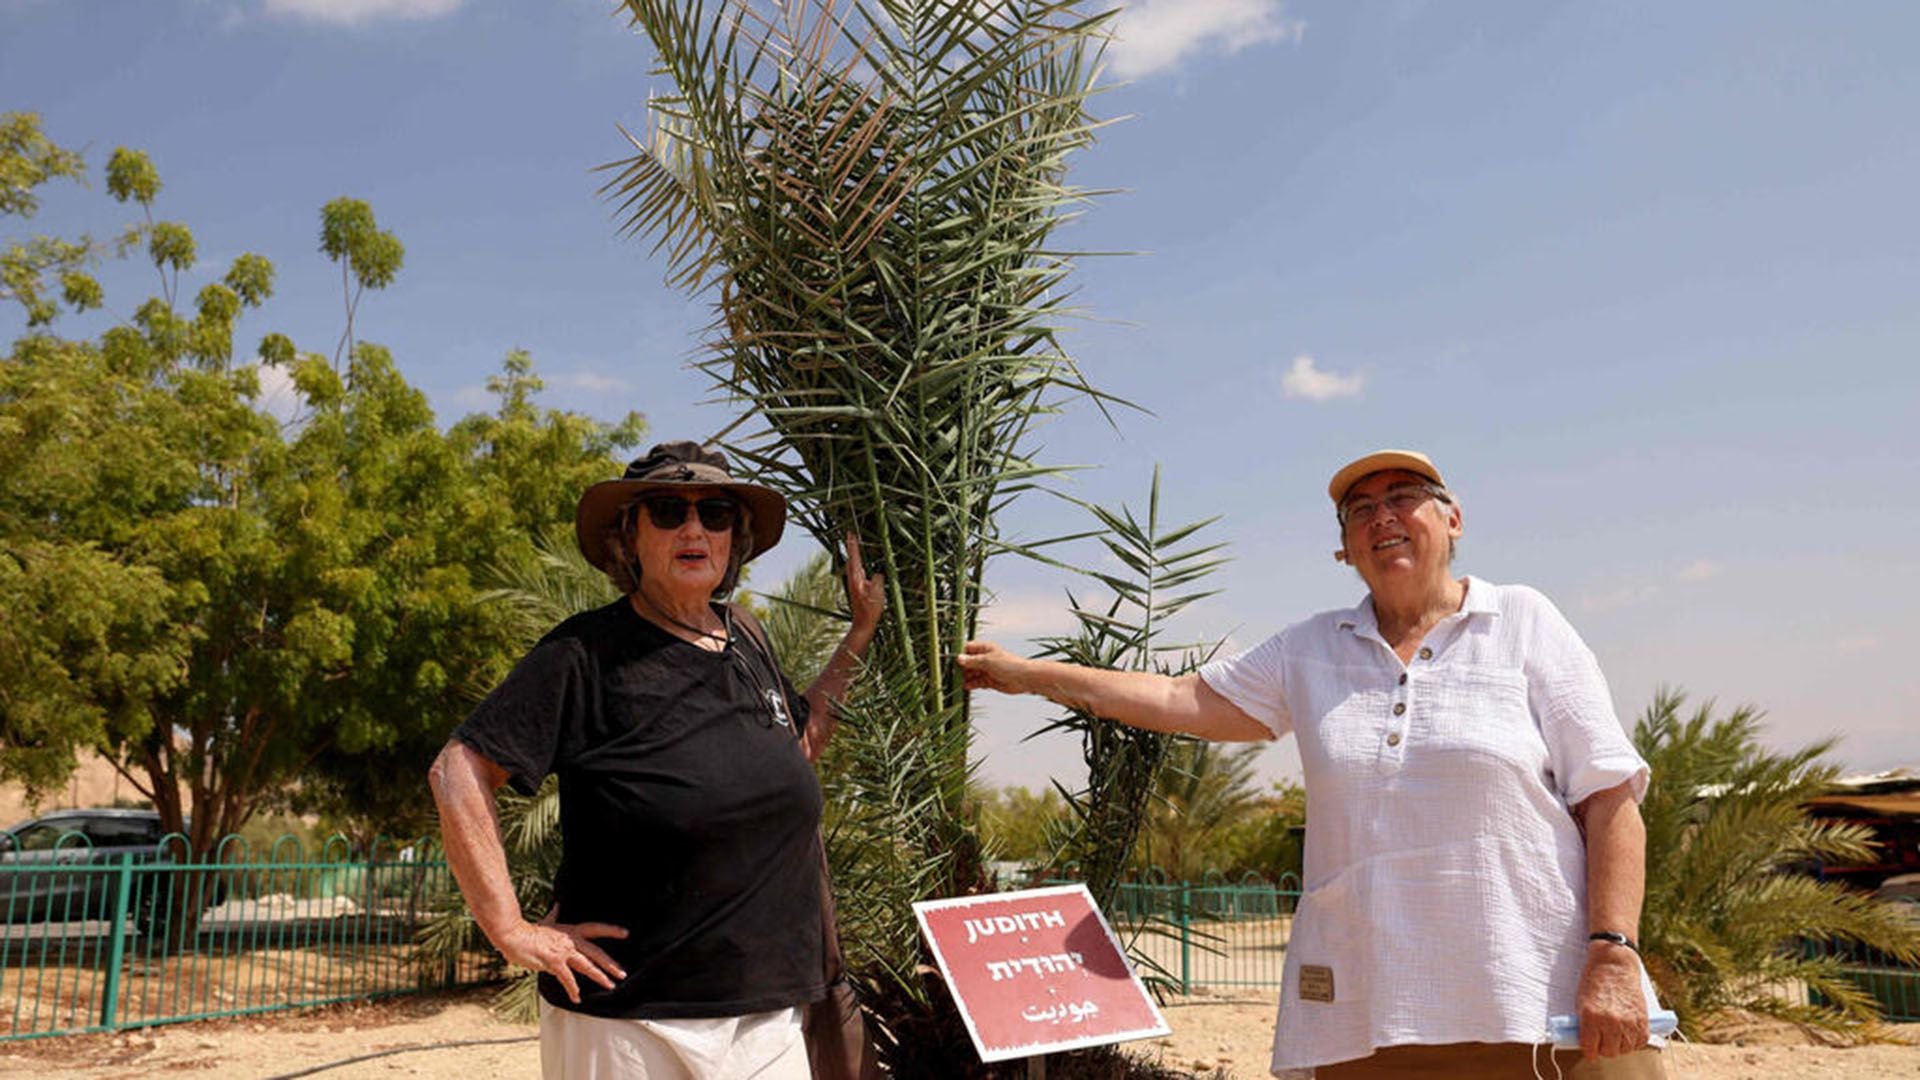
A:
[(228, 608)]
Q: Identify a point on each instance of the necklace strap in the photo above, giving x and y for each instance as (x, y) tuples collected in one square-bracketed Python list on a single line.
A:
[(726, 630)]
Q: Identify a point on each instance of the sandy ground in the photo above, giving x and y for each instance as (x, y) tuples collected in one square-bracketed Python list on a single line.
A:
[(1209, 1033)]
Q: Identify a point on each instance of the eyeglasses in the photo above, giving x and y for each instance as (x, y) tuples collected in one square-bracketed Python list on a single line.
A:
[(1401, 500), (670, 512)]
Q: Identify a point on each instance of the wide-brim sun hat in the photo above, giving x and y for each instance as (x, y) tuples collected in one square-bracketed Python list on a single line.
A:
[(665, 467), (1358, 469)]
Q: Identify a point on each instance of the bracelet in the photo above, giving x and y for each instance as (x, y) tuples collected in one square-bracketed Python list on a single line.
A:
[(1614, 937)]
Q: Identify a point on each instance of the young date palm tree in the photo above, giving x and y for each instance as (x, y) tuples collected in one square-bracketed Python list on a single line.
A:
[(1728, 914), (869, 191)]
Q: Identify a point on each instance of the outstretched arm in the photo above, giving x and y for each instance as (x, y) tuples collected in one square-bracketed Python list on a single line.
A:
[(463, 782), (1183, 703)]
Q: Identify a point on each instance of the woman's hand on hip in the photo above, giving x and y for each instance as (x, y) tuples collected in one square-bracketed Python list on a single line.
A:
[(1613, 1010), (561, 949)]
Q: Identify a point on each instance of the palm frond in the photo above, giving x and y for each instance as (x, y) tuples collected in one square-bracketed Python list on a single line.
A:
[(1731, 918)]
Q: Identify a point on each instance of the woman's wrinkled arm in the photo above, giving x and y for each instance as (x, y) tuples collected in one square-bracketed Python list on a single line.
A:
[(866, 600), (464, 782), (1613, 1008), (1142, 699)]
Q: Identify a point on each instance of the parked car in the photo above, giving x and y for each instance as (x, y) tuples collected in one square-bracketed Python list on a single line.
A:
[(59, 867)]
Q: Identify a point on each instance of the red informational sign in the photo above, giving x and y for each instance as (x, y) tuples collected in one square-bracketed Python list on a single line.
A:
[(1037, 971)]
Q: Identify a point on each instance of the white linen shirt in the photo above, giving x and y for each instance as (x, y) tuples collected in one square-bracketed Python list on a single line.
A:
[(1445, 876)]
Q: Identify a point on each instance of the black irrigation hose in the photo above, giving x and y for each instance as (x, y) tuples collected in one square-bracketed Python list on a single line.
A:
[(401, 1050)]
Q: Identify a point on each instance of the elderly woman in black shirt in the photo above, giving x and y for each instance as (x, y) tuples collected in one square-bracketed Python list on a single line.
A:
[(685, 941)]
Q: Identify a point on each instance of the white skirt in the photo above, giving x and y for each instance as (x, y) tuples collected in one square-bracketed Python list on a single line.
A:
[(761, 1046)]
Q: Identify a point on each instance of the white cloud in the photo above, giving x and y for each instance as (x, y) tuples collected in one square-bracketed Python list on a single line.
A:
[(1617, 598), (279, 398), (473, 397), (1626, 594), (591, 381), (1157, 35), (1700, 570), (1305, 380), (354, 12), (1025, 615)]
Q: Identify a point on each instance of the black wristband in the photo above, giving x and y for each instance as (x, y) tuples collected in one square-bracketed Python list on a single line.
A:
[(1614, 937)]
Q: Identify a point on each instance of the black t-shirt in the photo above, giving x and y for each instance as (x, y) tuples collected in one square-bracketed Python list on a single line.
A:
[(689, 814)]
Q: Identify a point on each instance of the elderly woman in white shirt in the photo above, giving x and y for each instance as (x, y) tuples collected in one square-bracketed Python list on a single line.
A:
[(1475, 858)]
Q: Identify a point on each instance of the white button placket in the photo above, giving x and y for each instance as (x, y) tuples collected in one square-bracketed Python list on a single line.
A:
[(1398, 722)]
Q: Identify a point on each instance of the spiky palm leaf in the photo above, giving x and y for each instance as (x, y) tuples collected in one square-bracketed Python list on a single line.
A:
[(804, 618), (554, 583), (1727, 911), (1126, 765)]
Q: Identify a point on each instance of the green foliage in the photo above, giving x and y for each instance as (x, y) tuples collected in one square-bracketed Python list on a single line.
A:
[(804, 619), (241, 617), (536, 460), (350, 236), (1269, 841), (29, 159), (131, 176), (1125, 765), (1728, 903), (369, 257), (1204, 791), (1022, 825)]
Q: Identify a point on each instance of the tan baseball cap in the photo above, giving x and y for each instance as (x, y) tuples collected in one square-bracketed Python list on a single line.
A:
[(1354, 471)]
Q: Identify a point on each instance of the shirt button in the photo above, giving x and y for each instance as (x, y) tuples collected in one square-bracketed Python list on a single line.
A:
[(1426, 653), (1403, 678), (1393, 739), (1399, 708)]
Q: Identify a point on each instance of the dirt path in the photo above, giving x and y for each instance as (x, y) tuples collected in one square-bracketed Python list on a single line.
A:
[(1208, 1033)]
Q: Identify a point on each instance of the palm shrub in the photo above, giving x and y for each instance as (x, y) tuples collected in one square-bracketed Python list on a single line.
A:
[(1728, 911), (1157, 569), (869, 193)]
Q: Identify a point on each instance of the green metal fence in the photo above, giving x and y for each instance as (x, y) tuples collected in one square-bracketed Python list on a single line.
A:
[(1213, 933), (99, 942), (1895, 987)]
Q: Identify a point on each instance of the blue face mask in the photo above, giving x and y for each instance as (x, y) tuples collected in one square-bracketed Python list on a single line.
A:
[(1564, 1031)]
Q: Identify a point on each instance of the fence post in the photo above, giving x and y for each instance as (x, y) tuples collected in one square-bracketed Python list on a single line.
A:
[(1185, 919), (117, 952)]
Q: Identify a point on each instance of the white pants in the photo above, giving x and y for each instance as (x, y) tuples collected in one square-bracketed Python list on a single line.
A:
[(761, 1046)]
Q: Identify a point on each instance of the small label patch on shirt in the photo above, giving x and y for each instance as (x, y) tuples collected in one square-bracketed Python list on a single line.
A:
[(1316, 982)]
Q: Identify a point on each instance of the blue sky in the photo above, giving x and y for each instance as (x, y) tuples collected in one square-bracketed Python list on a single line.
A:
[(1644, 278)]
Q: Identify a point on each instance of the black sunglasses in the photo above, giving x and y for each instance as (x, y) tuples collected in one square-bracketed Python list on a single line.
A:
[(670, 512)]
